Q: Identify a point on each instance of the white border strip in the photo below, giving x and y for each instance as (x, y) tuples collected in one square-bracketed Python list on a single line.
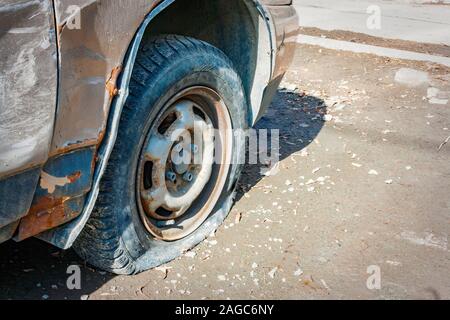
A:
[(364, 48)]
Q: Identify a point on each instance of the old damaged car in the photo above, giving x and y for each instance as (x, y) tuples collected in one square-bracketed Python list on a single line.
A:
[(91, 95)]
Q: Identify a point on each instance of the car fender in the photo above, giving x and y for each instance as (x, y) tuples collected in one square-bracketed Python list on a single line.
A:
[(116, 95)]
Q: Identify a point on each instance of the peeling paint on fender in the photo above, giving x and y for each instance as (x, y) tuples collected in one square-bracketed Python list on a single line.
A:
[(49, 182), (111, 84)]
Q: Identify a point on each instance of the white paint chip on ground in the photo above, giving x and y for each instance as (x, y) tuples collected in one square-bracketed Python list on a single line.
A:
[(427, 239), (394, 263), (190, 254), (221, 278), (412, 77), (298, 272), (435, 96), (289, 87), (325, 285), (273, 272)]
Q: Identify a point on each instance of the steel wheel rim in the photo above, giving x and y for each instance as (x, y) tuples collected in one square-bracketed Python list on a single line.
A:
[(172, 204)]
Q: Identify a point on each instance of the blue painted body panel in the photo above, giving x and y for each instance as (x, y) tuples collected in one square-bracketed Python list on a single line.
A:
[(78, 165), (60, 194), (16, 194)]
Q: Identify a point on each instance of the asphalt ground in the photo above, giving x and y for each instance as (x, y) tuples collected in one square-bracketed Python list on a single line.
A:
[(362, 191)]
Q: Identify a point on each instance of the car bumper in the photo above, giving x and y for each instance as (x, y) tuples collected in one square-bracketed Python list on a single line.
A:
[(285, 28)]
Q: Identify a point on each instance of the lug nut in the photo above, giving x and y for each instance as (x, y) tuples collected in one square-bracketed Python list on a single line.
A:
[(178, 148), (188, 177), (171, 176)]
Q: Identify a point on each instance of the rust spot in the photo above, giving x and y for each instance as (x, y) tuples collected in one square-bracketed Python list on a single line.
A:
[(155, 4), (74, 146), (111, 84), (47, 214), (60, 27), (101, 136), (74, 177)]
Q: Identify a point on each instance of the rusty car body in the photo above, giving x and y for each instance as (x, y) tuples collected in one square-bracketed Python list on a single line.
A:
[(65, 66)]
